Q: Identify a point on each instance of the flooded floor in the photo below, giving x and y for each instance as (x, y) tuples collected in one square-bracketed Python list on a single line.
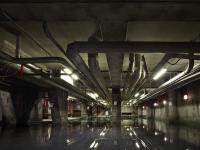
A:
[(101, 134)]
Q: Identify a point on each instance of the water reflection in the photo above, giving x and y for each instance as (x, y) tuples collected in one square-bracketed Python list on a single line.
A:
[(102, 134)]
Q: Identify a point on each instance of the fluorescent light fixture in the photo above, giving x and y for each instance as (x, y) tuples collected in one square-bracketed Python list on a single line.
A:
[(138, 146), (91, 95), (143, 143), (67, 70), (160, 73), (74, 76), (142, 96), (96, 95), (134, 133), (96, 145), (92, 145), (33, 66), (130, 134), (67, 79), (137, 94)]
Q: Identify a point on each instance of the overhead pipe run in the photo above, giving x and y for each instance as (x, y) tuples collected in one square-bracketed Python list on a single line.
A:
[(163, 61), (134, 47), (145, 76), (58, 83), (75, 58), (95, 70), (6, 15), (175, 82), (137, 74), (128, 75)]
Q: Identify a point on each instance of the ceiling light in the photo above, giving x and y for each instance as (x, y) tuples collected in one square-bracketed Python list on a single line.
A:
[(137, 94), (164, 102), (160, 73), (67, 70), (138, 146), (155, 104), (96, 95), (185, 97), (33, 66), (74, 76), (67, 79), (92, 145)]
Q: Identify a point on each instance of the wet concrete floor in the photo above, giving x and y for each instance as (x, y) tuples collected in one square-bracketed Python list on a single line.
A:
[(101, 134)]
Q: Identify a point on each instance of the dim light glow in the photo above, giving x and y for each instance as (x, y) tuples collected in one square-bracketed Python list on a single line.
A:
[(74, 76), (164, 102), (165, 139), (155, 104), (137, 94), (160, 73), (143, 107), (67, 70), (185, 97), (156, 133), (67, 79)]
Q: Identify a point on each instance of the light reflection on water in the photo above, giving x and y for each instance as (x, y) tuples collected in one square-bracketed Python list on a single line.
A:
[(102, 134)]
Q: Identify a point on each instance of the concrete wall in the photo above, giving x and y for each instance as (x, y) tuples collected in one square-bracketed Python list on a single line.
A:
[(7, 109), (177, 110)]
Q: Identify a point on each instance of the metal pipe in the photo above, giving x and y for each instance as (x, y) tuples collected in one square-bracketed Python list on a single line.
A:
[(137, 74), (49, 36), (163, 61), (95, 70), (6, 15), (175, 82), (54, 82), (75, 58), (128, 75), (146, 75), (136, 47)]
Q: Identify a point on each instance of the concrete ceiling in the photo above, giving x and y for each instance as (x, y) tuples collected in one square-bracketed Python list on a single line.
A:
[(69, 22)]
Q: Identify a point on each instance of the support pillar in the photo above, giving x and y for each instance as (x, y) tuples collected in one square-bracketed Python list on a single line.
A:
[(84, 113), (59, 108), (37, 111), (116, 105), (172, 108), (23, 101)]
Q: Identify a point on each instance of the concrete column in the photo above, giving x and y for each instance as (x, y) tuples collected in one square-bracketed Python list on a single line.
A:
[(59, 110), (1, 116), (116, 105), (84, 110), (23, 100), (149, 114), (94, 110), (37, 111), (172, 109)]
